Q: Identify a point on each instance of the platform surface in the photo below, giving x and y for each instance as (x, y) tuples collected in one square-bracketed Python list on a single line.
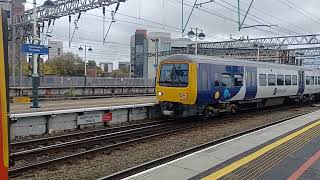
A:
[(287, 150), (84, 103)]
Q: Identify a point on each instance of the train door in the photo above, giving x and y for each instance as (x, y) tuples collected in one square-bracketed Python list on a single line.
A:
[(4, 105), (251, 82), (300, 82)]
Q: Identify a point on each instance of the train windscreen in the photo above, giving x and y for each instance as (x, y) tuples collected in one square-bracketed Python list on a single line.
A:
[(174, 75)]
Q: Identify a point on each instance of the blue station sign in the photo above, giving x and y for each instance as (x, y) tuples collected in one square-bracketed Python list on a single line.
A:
[(34, 49)]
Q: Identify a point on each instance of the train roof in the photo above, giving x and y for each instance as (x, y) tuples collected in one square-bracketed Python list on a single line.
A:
[(231, 61)]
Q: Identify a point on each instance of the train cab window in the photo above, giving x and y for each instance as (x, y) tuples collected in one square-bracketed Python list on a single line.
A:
[(262, 79), (311, 80), (294, 80), (280, 80), (287, 80), (174, 75), (238, 80), (271, 80), (227, 80), (307, 80)]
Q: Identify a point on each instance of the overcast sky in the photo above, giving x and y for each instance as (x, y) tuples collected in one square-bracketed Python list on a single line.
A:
[(218, 20)]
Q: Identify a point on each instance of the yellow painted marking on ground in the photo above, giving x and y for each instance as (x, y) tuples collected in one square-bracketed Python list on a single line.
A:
[(21, 100), (228, 169)]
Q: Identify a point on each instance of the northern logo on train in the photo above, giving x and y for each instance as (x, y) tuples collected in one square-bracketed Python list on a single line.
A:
[(226, 94)]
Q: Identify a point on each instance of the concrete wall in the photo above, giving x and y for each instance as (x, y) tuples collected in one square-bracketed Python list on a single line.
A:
[(38, 125)]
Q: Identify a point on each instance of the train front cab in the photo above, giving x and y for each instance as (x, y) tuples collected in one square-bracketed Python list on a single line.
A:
[(176, 87)]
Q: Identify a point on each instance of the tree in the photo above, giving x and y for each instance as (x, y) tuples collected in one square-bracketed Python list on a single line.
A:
[(68, 64), (92, 63), (121, 72)]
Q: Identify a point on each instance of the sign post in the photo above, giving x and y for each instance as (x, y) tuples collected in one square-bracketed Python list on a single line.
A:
[(35, 49), (4, 103)]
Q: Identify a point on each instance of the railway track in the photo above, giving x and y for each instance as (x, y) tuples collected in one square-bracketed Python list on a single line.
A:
[(41, 156), (41, 152), (157, 162), (36, 143)]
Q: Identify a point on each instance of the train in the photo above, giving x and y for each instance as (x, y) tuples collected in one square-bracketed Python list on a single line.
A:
[(188, 85)]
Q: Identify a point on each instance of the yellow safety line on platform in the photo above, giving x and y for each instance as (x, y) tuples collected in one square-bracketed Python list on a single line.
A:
[(228, 169)]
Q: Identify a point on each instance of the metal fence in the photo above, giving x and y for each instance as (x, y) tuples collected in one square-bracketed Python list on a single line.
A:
[(58, 81)]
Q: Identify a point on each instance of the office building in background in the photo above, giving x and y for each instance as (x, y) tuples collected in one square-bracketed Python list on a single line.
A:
[(55, 48)]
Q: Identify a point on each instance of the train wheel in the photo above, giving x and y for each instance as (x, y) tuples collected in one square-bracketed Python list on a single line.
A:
[(233, 108)]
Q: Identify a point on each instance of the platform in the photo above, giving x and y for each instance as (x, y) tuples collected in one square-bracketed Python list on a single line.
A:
[(84, 103), (290, 150), (55, 116)]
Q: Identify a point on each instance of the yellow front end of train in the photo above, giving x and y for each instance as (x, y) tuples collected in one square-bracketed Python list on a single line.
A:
[(177, 82)]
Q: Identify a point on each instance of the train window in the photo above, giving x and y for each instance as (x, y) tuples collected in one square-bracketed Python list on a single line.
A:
[(280, 80), (248, 81), (216, 80), (307, 80), (315, 80), (312, 80), (294, 80), (271, 79), (238, 79), (174, 75), (253, 78), (204, 80), (227, 80), (263, 79), (287, 80), (318, 80)]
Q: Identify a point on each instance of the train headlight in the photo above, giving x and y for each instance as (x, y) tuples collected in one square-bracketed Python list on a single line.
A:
[(160, 93)]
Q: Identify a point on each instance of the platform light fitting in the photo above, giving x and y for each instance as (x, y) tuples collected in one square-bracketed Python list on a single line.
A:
[(191, 34)]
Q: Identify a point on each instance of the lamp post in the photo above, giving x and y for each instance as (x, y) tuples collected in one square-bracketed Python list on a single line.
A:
[(156, 49), (35, 75), (201, 36), (85, 61)]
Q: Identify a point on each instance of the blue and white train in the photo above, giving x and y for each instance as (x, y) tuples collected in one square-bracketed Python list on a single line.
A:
[(188, 85)]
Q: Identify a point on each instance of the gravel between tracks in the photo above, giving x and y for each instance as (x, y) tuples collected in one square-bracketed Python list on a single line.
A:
[(101, 164)]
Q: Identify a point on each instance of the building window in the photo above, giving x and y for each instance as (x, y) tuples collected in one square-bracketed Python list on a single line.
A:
[(238, 79), (287, 80), (271, 79), (262, 79), (227, 80), (307, 80), (294, 80), (280, 80)]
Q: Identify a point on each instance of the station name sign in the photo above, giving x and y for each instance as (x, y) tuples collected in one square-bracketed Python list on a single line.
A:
[(34, 49)]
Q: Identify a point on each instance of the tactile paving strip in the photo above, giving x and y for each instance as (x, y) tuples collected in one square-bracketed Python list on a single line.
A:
[(265, 162)]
